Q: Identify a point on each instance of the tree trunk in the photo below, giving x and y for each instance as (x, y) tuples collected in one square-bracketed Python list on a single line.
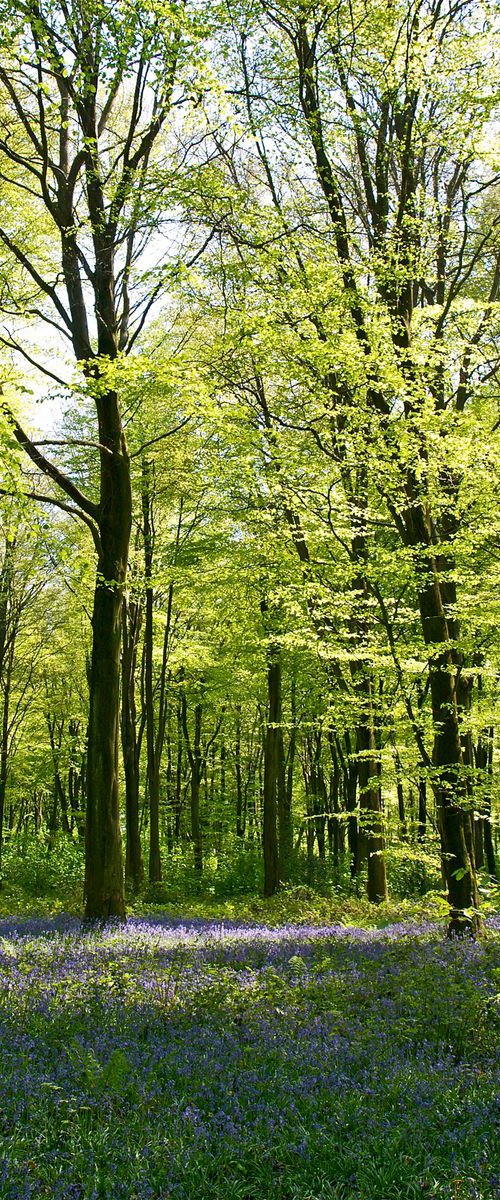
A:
[(240, 822), (8, 634), (403, 829), (422, 809), (178, 775), (76, 782), (60, 797), (222, 764), (196, 771), (453, 802), (287, 834), (196, 764), (104, 885), (153, 775), (369, 797), (131, 622), (335, 824), (271, 773), (349, 767), (4, 745), (487, 759), (371, 833)]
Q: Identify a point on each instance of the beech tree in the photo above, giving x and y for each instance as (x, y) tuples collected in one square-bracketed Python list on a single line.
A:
[(379, 256), (86, 91), (309, 647)]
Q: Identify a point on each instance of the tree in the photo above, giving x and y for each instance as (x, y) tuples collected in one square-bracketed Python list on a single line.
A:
[(86, 90), (369, 268)]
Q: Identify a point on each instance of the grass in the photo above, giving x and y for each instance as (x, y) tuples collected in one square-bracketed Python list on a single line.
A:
[(174, 1059)]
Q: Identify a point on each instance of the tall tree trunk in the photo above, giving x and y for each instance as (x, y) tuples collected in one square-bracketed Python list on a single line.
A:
[(240, 822), (271, 774), (371, 833), (153, 774), (131, 623), (349, 767), (4, 743), (287, 832), (196, 771), (8, 634), (222, 763), (422, 808), (169, 784), (104, 884), (484, 760), (316, 789), (76, 781), (450, 784), (60, 797), (403, 828), (196, 764), (178, 774), (335, 825)]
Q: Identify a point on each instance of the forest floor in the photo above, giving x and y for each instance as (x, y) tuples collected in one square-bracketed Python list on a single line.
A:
[(198, 1059)]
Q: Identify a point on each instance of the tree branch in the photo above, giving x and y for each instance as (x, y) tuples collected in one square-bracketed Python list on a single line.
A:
[(49, 468), (39, 498)]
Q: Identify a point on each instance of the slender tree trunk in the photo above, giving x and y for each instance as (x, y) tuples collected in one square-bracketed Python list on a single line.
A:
[(287, 835), (349, 767), (169, 786), (60, 797), (8, 634), (196, 764), (271, 774), (422, 809), (222, 763), (485, 762), (196, 770), (369, 797), (240, 823), (178, 775), (369, 783), (131, 622), (403, 828), (4, 744), (283, 812), (76, 782), (335, 824), (153, 775), (315, 787)]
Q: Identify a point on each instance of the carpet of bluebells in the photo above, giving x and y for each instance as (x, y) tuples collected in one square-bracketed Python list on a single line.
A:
[(170, 1060)]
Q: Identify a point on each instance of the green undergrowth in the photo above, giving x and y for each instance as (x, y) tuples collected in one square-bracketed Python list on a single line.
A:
[(301, 905), (44, 879)]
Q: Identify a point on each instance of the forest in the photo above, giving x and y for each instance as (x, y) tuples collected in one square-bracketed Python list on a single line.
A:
[(249, 599)]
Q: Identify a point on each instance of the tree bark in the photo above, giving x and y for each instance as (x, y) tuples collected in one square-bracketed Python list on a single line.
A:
[(450, 785), (76, 782), (369, 797), (131, 622), (4, 744), (240, 821), (271, 774), (104, 885), (196, 764), (153, 774), (8, 633), (484, 761)]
